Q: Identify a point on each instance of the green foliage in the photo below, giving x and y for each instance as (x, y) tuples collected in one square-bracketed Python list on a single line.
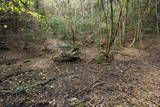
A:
[(54, 26), (16, 88), (26, 32), (60, 27), (69, 49), (18, 6), (101, 60), (80, 105), (85, 25), (27, 60), (68, 21)]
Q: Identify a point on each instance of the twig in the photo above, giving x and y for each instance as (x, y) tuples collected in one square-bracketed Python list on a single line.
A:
[(132, 43), (82, 101), (84, 89)]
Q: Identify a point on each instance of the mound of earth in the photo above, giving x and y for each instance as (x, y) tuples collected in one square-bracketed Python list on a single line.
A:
[(131, 54)]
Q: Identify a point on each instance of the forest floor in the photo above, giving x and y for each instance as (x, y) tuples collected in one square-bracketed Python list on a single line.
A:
[(30, 78)]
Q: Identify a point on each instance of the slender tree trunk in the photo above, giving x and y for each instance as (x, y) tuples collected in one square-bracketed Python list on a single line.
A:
[(112, 28), (139, 24), (106, 22), (157, 17), (117, 28), (124, 22)]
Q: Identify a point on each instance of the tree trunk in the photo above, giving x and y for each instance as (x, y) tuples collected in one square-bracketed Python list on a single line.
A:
[(157, 18)]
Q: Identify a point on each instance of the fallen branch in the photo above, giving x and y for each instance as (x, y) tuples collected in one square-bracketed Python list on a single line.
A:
[(132, 42), (35, 86), (28, 88), (32, 87), (84, 89)]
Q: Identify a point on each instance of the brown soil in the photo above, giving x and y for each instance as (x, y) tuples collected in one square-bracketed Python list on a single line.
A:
[(30, 78)]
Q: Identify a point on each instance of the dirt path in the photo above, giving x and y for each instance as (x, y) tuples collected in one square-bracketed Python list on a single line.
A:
[(37, 81)]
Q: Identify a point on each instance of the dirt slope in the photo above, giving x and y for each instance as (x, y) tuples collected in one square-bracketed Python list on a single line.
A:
[(32, 78)]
